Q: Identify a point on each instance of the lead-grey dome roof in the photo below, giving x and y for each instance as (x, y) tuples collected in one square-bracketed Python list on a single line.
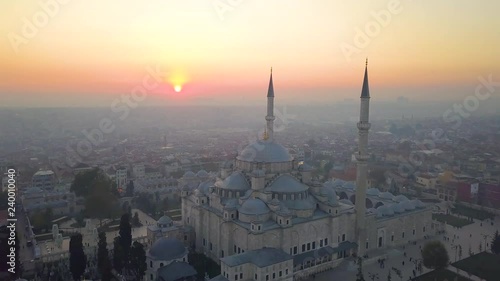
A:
[(202, 174), (373, 191), (235, 181), (189, 174), (286, 183), (265, 151), (254, 207), (165, 220), (166, 249)]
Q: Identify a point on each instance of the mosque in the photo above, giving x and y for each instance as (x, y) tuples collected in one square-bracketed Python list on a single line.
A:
[(265, 218)]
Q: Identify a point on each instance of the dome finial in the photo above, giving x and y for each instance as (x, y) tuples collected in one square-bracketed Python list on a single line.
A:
[(366, 64)]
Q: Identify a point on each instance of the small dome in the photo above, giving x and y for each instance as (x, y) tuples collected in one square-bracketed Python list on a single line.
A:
[(235, 181), (254, 207), (408, 205), (419, 204), (202, 174), (286, 183), (165, 220), (346, 201), (189, 174), (275, 201), (400, 198), (350, 185), (330, 193), (386, 195), (265, 151), (204, 187), (373, 191), (166, 249), (339, 183), (397, 208), (384, 211), (330, 184)]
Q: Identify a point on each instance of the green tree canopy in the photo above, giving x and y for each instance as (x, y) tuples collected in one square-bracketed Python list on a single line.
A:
[(138, 264), (103, 261), (435, 255)]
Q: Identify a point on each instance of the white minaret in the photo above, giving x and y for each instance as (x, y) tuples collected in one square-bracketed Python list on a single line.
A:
[(269, 134), (362, 171)]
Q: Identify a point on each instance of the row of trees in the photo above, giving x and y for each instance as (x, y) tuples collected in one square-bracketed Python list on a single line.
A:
[(128, 258)]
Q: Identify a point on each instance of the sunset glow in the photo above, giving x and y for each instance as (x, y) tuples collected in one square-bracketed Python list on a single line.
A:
[(88, 52)]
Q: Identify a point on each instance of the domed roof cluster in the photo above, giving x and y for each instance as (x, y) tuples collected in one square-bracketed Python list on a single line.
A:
[(286, 183), (235, 181), (398, 208), (254, 206), (204, 187), (166, 249), (265, 151)]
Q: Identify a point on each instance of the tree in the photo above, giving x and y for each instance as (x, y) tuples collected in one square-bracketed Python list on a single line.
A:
[(138, 263), (135, 220), (495, 243), (77, 258), (434, 255), (103, 261), (125, 234), (359, 275), (118, 255), (130, 189)]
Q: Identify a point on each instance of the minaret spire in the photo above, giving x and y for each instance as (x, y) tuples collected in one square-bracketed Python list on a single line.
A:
[(270, 110), (362, 157)]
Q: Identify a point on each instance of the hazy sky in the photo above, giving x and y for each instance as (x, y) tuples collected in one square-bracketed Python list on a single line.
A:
[(89, 52)]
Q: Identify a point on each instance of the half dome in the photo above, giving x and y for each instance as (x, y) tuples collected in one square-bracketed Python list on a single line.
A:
[(254, 207)]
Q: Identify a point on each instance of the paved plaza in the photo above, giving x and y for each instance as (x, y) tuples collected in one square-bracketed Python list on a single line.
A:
[(468, 236)]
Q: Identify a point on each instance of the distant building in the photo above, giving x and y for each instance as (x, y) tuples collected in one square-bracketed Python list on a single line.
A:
[(138, 171), (426, 181), (121, 178), (44, 180)]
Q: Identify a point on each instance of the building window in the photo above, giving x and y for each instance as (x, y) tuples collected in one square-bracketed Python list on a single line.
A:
[(267, 277), (236, 277), (343, 237), (295, 250), (256, 276), (403, 235), (151, 276), (308, 246), (280, 273), (392, 238), (366, 245), (286, 271), (280, 221), (151, 264), (314, 245), (287, 222), (321, 243), (222, 253), (423, 229), (235, 248), (274, 275), (326, 241), (259, 227), (210, 245), (253, 227), (303, 247), (232, 216), (414, 232), (329, 211), (241, 275)]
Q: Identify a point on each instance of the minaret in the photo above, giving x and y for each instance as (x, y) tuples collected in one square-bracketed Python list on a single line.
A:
[(362, 171), (269, 132)]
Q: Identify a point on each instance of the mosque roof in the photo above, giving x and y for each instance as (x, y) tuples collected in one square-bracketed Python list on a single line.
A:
[(254, 206), (166, 249), (267, 151), (286, 183)]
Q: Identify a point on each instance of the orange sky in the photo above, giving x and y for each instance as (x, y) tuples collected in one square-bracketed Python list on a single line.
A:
[(89, 52)]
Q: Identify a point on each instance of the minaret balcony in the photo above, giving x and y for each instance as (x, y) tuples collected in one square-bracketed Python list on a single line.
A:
[(362, 157), (364, 126)]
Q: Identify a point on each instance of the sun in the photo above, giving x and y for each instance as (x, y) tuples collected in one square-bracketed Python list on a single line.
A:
[(177, 88)]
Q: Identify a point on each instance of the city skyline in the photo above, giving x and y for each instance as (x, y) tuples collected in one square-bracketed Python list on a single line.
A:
[(220, 52)]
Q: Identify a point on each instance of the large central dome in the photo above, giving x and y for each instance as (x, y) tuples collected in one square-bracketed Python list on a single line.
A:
[(265, 151)]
